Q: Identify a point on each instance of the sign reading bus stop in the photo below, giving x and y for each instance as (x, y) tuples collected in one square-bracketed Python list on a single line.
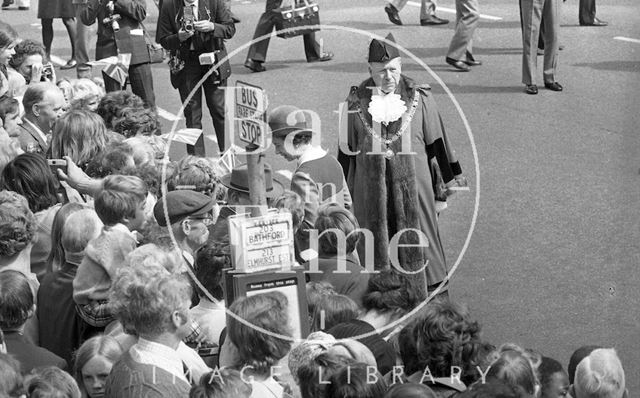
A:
[(261, 243), (250, 115)]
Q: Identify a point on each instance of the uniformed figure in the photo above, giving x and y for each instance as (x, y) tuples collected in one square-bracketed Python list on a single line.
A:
[(204, 30), (394, 191), (535, 12)]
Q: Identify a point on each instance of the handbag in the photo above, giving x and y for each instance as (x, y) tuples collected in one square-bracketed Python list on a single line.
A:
[(297, 14), (157, 54)]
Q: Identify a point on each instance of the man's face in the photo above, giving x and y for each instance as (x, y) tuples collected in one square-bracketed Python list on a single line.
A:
[(198, 230), (386, 75), (281, 146), (50, 108), (27, 65)]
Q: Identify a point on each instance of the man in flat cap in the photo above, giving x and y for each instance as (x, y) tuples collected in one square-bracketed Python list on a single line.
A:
[(398, 148)]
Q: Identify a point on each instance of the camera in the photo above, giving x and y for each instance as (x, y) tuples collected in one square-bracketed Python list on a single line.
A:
[(47, 72), (112, 20), (188, 20)]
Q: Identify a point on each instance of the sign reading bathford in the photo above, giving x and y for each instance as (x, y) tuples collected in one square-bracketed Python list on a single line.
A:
[(250, 116), (261, 243)]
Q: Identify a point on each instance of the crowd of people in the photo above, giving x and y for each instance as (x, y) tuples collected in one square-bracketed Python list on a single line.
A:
[(113, 256)]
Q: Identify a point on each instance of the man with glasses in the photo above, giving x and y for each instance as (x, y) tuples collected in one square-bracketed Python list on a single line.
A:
[(43, 104), (188, 214)]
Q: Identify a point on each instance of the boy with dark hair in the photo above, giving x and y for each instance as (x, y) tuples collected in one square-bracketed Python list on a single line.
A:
[(121, 207), (17, 307)]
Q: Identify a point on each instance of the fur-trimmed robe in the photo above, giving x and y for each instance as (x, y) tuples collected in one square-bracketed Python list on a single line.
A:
[(397, 194)]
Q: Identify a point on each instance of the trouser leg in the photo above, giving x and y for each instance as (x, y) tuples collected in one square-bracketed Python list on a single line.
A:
[(427, 8), (266, 23), (399, 4), (82, 45), (193, 108), (311, 46), (141, 81), (214, 97), (587, 11), (47, 34), (70, 24), (551, 27), (467, 16), (531, 16)]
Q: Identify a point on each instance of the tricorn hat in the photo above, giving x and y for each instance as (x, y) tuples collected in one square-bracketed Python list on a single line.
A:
[(380, 51)]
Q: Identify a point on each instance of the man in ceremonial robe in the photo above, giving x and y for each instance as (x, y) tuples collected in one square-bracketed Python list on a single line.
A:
[(397, 148)]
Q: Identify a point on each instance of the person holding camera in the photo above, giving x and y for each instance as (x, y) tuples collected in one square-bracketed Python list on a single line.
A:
[(27, 66), (194, 32), (120, 30)]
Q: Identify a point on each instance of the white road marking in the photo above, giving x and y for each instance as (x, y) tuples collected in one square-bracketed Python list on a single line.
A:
[(167, 115), (452, 11), (630, 40), (57, 60)]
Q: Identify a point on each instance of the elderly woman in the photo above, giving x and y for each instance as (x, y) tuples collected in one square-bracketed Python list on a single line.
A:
[(30, 176), (258, 352), (153, 303)]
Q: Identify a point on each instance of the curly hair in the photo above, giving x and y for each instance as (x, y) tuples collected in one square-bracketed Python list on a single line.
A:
[(196, 174), (209, 265), (444, 336), (17, 224), (267, 311), (136, 121), (30, 176), (143, 298), (113, 103), (390, 290), (25, 49), (79, 134), (8, 105)]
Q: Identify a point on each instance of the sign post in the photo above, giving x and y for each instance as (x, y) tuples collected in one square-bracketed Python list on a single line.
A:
[(250, 119)]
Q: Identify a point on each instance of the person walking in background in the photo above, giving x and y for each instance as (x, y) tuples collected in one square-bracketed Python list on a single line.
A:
[(258, 50), (427, 12), (47, 11), (587, 14), (460, 52), (83, 69), (534, 13)]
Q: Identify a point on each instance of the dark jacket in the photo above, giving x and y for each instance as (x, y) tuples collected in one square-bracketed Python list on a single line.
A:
[(170, 22), (30, 140), (29, 355), (110, 43)]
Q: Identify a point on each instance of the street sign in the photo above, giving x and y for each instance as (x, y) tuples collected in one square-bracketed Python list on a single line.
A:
[(261, 243), (250, 114)]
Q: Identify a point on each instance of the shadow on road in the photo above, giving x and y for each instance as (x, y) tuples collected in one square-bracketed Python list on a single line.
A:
[(617, 66)]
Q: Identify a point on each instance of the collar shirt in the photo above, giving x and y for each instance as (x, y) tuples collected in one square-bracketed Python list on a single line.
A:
[(312, 153), (160, 355), (37, 129)]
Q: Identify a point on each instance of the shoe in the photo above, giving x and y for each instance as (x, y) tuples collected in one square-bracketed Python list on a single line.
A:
[(555, 86), (234, 18), (433, 20), (392, 13), (596, 22), (531, 89), (471, 61), (461, 66), (69, 65), (23, 8), (6, 4), (255, 66), (323, 57)]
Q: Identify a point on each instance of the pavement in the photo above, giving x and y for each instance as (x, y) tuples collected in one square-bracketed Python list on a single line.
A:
[(552, 261)]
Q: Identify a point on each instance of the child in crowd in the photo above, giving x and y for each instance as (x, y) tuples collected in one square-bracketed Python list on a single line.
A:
[(210, 312), (225, 383), (17, 307), (121, 207), (93, 362), (554, 381)]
